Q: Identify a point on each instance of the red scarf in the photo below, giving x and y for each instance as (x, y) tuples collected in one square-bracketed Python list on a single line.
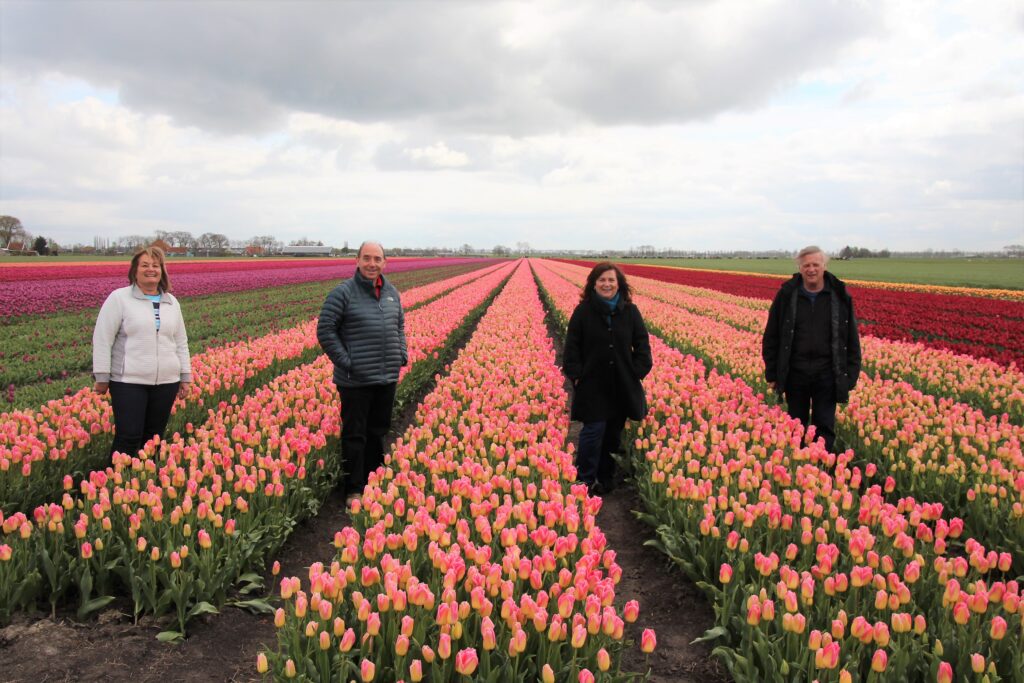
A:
[(377, 285)]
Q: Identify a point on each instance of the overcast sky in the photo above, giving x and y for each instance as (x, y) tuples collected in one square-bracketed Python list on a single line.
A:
[(696, 124)]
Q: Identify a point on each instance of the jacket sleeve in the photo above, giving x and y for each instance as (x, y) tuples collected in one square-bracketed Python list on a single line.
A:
[(331, 315), (770, 340), (108, 322), (642, 359), (853, 356), (181, 342), (572, 354), (401, 332)]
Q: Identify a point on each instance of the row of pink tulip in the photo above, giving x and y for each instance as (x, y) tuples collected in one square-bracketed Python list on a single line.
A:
[(22, 294), (471, 555), (38, 447), (175, 524), (936, 449), (980, 382), (865, 590)]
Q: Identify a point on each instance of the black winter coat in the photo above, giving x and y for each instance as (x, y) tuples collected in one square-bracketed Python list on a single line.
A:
[(606, 362), (363, 337), (777, 343)]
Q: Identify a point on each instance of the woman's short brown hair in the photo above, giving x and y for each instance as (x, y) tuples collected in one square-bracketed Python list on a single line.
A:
[(625, 292), (157, 254)]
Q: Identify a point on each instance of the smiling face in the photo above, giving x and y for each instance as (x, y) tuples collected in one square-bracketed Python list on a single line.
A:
[(812, 270), (148, 274), (607, 284), (371, 261)]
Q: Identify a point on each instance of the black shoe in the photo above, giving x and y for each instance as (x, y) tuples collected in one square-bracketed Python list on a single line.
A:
[(607, 486), (595, 489)]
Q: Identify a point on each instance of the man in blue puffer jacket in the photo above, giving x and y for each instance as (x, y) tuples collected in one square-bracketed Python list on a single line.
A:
[(362, 331)]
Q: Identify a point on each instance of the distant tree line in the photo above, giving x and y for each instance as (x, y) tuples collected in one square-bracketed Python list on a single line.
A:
[(14, 236), (849, 252)]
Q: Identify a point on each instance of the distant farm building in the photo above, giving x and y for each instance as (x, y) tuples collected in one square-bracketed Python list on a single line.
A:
[(18, 249), (305, 251)]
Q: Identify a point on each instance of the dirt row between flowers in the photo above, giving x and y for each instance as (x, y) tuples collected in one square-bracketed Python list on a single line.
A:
[(669, 601), (223, 647)]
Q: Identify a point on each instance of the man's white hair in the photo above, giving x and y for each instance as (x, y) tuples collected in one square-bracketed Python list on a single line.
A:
[(807, 251)]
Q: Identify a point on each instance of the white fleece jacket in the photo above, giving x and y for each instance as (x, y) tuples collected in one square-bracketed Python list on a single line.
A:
[(126, 346)]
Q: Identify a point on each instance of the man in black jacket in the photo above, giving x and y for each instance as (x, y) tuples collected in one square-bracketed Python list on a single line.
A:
[(811, 347), (362, 331)]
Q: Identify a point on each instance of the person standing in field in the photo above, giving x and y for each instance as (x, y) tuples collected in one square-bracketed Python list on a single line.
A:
[(607, 354), (362, 331), (811, 347), (140, 352)]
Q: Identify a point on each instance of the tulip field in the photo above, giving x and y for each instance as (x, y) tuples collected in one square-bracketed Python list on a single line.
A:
[(28, 288), (238, 479), (472, 554), (987, 326), (900, 559)]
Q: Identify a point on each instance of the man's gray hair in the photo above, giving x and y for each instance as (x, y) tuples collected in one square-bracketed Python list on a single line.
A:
[(359, 252), (807, 251)]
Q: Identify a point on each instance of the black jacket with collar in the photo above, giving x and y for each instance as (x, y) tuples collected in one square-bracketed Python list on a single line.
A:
[(364, 337), (777, 343), (606, 360)]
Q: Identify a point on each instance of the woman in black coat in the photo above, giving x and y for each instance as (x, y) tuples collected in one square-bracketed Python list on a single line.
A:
[(607, 354)]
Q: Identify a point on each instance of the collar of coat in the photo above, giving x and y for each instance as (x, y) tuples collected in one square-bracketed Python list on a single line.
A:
[(366, 283), (833, 283), (601, 307), (137, 293)]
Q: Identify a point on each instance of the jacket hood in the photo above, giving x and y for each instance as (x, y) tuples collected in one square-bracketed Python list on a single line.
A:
[(837, 285)]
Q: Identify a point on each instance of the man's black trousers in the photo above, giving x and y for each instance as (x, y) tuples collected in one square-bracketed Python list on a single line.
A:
[(812, 400), (365, 421)]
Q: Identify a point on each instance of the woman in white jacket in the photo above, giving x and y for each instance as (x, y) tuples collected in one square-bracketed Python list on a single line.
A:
[(140, 352)]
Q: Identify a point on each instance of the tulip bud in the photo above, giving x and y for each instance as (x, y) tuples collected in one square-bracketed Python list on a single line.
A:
[(416, 671), (466, 661), (547, 674), (945, 673), (648, 641), (880, 661), (367, 670), (998, 629)]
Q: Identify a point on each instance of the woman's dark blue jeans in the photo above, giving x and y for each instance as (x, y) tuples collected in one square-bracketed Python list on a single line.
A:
[(598, 440), (141, 412)]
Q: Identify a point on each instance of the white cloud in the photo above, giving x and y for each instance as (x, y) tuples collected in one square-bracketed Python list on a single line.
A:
[(711, 125), (437, 155)]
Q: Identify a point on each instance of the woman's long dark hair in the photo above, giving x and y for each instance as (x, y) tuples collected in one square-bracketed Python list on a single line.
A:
[(600, 269)]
